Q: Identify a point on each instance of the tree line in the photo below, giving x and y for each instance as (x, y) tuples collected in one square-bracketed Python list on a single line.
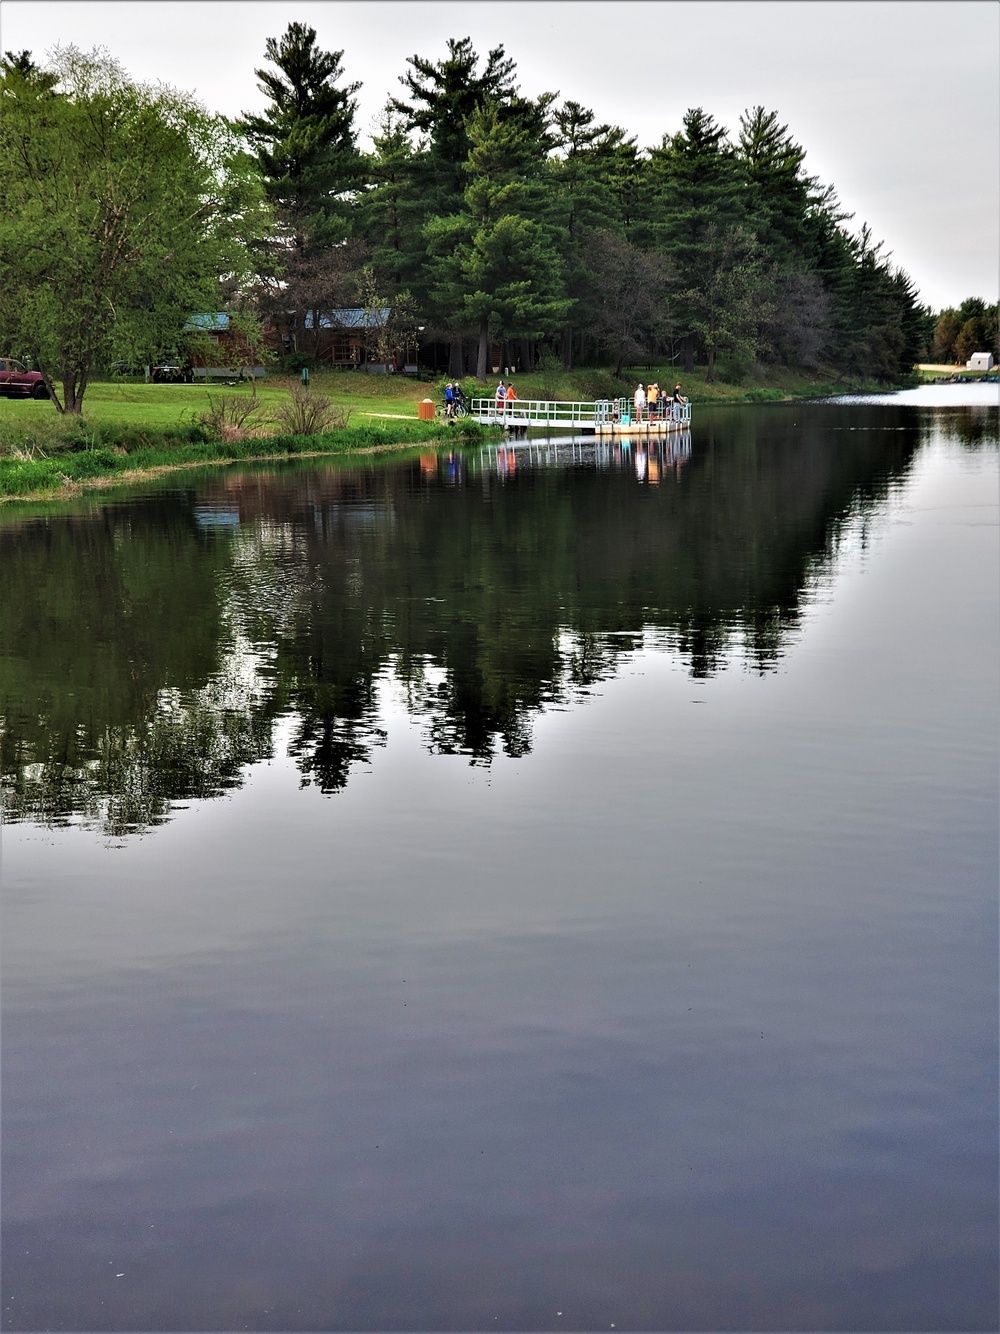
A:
[(972, 327), (480, 217)]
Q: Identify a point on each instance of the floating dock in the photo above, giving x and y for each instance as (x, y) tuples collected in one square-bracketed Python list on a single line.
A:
[(602, 416)]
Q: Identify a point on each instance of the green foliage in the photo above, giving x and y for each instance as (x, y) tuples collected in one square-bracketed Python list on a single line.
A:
[(495, 261), (305, 142), (120, 208), (481, 217), (444, 95)]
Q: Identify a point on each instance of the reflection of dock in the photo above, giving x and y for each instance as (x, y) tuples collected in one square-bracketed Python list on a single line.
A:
[(602, 416), (649, 456)]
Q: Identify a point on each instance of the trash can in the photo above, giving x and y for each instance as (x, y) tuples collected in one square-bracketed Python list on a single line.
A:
[(425, 410)]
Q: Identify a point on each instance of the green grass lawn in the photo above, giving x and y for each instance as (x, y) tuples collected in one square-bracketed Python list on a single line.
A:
[(172, 404)]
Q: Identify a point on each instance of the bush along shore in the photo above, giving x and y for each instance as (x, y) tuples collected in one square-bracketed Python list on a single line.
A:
[(111, 455)]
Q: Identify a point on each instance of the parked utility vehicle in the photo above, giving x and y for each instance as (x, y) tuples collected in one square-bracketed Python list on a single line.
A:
[(16, 381)]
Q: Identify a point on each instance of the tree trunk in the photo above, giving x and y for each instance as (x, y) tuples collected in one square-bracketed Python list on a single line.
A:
[(484, 349), (73, 389), (567, 349), (710, 373), (456, 359), (51, 387), (527, 357), (687, 346)]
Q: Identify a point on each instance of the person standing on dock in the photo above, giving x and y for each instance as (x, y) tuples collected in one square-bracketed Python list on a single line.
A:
[(678, 396), (501, 396), (510, 394), (652, 394), (640, 402)]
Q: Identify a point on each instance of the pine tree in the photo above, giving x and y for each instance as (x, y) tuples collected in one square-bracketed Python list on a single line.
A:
[(305, 141), (443, 96), (306, 149), (583, 203), (495, 263), (778, 194), (390, 214)]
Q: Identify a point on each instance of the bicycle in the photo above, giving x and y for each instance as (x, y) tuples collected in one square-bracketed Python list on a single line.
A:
[(459, 409)]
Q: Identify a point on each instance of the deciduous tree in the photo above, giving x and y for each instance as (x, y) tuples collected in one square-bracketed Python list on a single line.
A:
[(121, 208)]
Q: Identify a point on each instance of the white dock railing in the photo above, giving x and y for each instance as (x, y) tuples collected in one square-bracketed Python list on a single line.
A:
[(601, 412)]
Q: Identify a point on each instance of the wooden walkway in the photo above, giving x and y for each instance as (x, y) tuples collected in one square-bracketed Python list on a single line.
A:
[(603, 416)]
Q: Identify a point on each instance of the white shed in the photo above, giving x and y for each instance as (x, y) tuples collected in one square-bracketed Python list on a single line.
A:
[(980, 361)]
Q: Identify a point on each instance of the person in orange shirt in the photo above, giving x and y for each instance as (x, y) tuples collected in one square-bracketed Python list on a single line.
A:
[(510, 392)]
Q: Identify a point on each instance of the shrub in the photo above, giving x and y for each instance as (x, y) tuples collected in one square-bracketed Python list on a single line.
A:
[(232, 417), (40, 436), (296, 362), (309, 413), (94, 462)]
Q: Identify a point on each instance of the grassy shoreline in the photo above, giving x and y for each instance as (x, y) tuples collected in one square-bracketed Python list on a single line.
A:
[(69, 473), (133, 432)]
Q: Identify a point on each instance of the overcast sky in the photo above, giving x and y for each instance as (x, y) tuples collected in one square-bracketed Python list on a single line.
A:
[(897, 104)]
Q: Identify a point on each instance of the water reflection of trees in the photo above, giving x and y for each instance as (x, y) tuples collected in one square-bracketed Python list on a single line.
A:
[(149, 649), (975, 427)]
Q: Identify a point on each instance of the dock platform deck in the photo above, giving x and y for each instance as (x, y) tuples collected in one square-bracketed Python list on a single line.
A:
[(603, 416)]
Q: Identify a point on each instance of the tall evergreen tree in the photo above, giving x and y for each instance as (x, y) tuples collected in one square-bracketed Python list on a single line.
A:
[(583, 203), (305, 141), (880, 326), (443, 96), (390, 214), (19, 65), (692, 205), (778, 194), (495, 262), (306, 148)]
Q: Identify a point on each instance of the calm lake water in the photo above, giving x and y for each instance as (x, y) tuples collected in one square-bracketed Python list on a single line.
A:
[(549, 889)]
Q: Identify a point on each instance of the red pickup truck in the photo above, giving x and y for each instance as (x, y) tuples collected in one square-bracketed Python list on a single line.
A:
[(16, 382)]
